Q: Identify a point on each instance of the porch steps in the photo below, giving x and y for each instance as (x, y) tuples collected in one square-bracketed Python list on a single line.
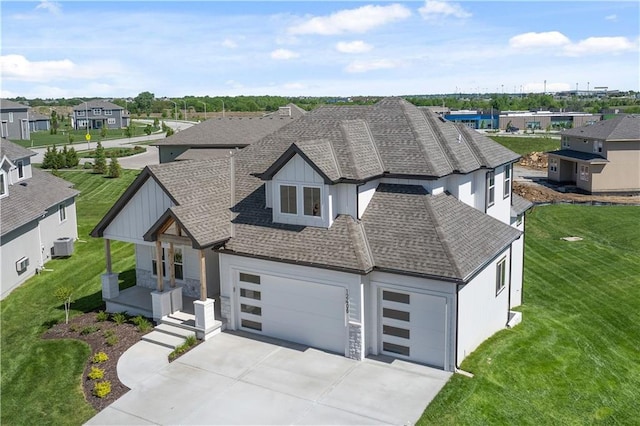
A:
[(187, 321), (168, 335)]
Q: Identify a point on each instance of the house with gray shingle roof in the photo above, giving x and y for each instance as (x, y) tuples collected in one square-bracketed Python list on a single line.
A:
[(37, 214), (97, 114), (359, 230), (14, 120), (603, 157), (215, 137)]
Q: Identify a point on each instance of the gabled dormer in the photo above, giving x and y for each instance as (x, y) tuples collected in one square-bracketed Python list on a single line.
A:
[(299, 191)]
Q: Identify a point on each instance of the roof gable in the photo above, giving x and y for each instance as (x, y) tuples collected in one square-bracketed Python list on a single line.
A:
[(319, 150), (624, 127)]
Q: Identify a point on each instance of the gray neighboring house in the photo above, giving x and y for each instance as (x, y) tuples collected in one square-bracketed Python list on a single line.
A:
[(14, 120), (38, 122), (37, 216), (603, 157), (359, 230), (215, 137), (98, 114)]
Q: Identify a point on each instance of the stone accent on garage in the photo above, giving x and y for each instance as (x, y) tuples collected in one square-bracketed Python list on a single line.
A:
[(355, 341), (225, 308)]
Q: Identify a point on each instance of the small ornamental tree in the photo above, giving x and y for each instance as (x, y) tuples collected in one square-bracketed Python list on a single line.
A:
[(103, 132), (114, 167), (169, 131), (62, 158), (63, 294), (48, 161), (147, 129), (128, 131), (54, 123), (72, 157), (100, 165)]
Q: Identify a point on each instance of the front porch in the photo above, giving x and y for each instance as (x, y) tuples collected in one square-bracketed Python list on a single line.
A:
[(138, 300)]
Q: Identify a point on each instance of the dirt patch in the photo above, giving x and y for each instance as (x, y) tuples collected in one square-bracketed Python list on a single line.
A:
[(535, 160), (538, 193), (99, 336)]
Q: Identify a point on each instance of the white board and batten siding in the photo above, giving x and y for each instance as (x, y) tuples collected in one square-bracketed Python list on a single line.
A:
[(292, 302), (139, 214)]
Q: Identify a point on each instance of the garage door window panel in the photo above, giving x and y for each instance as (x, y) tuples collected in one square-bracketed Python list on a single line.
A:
[(396, 315), (253, 325), (396, 349), (396, 297), (251, 309), (396, 331)]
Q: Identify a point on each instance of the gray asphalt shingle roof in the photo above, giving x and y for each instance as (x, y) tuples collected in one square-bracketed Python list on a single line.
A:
[(96, 104), (30, 198), (624, 127), (13, 151), (403, 229), (6, 104), (579, 155), (519, 205)]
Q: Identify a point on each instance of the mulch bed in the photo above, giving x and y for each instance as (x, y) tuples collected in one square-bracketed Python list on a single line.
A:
[(127, 335)]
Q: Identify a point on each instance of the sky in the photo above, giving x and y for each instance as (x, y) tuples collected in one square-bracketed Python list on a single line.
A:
[(315, 48)]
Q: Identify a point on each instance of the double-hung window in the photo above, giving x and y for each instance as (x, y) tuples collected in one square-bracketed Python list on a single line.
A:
[(20, 165), (584, 173), (597, 147), (507, 180), (288, 199), (3, 184), (62, 212), (311, 199), (501, 275), (553, 165), (80, 113), (491, 188)]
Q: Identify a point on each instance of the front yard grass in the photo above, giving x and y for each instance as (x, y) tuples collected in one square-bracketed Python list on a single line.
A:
[(524, 145), (41, 379), (575, 358)]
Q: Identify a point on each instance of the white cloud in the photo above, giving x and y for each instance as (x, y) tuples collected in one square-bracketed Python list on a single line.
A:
[(434, 9), (613, 18), (375, 64), (533, 40), (17, 67), (356, 46), (294, 86), (358, 20), (230, 44), (51, 6), (600, 45), (283, 54)]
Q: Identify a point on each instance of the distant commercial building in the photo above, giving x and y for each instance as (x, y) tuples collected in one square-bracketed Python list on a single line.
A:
[(474, 119), (541, 120)]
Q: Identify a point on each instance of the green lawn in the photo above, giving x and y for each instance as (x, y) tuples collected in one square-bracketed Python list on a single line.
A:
[(41, 380), (575, 358), (524, 145), (62, 138)]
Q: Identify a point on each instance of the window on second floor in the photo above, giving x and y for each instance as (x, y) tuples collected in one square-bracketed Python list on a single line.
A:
[(597, 147), (20, 165), (3, 184), (501, 275), (491, 189), (507, 181), (80, 113), (565, 142), (10, 117), (62, 212), (108, 112), (302, 199), (96, 111)]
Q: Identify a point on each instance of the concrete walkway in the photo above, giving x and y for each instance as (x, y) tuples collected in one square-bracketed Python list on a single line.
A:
[(237, 378)]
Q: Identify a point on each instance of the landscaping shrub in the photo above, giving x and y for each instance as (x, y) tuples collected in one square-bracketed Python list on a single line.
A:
[(109, 333), (102, 389), (119, 318), (102, 316), (96, 373), (88, 165), (89, 329), (100, 357), (188, 344), (111, 340)]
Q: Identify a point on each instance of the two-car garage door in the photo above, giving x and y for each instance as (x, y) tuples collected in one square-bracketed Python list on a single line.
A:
[(299, 311), (412, 326)]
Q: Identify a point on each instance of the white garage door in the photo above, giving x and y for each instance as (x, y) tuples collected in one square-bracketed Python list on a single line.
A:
[(299, 311), (412, 326)]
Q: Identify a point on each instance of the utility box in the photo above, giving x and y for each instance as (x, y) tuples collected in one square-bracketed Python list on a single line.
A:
[(63, 247)]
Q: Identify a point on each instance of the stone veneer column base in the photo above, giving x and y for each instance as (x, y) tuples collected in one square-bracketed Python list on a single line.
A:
[(110, 288), (355, 342), (160, 304), (225, 308)]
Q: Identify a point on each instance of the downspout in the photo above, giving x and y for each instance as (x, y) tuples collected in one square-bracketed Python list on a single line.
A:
[(457, 368), (509, 295)]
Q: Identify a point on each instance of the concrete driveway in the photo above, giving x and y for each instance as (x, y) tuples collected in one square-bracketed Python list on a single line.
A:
[(235, 378)]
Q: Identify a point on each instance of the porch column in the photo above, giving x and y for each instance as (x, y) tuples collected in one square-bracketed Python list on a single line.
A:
[(159, 268), (110, 287), (172, 269), (203, 277), (107, 251)]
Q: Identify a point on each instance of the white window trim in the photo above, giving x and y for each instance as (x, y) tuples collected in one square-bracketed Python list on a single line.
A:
[(565, 142), (300, 200), (501, 275), (584, 172), (62, 213), (111, 121), (10, 117), (20, 167), (108, 112), (553, 165), (5, 184), (597, 147), (490, 187), (80, 113), (507, 181), (96, 111)]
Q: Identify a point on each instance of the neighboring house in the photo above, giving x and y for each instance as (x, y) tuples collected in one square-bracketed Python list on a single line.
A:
[(37, 216), (359, 230), (603, 157), (99, 114), (217, 136), (38, 122), (14, 120)]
